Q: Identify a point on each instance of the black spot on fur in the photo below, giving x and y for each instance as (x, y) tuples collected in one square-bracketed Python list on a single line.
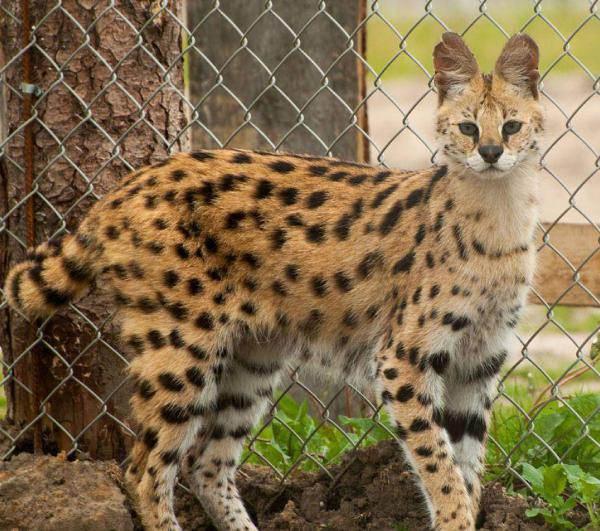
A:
[(279, 288), (198, 352), (250, 283), (424, 451), (404, 265), (171, 382), (317, 171), (281, 166), (264, 189), (201, 156), (175, 339), (233, 219), (400, 350), (288, 196), (316, 199), (390, 218), (462, 250), (350, 319), (211, 244), (414, 198), (195, 376), (182, 251), (420, 424), (170, 278), (251, 259), (380, 177), (405, 393), (316, 233), (194, 286), (391, 373), (382, 195), (174, 414), (77, 271), (439, 361), (343, 281), (479, 248), (420, 235), (146, 390), (205, 321), (355, 180), (291, 272), (369, 264), (319, 286), (112, 233), (294, 220), (241, 158), (278, 239), (156, 339), (342, 227), (150, 438), (338, 176), (249, 308)]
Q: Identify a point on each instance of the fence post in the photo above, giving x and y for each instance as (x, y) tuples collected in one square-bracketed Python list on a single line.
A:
[(89, 130), (316, 77)]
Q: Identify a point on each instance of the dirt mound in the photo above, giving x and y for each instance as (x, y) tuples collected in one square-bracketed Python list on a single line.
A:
[(376, 492), (51, 494)]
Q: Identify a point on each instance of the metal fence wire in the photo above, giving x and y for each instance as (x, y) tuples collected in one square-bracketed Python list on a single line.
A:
[(397, 108)]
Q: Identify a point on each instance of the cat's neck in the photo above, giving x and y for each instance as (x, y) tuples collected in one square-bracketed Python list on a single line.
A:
[(506, 207)]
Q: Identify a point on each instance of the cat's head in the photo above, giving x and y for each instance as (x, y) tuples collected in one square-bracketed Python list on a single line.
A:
[(489, 124)]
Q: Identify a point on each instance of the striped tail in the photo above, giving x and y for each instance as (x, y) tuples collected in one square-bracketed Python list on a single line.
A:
[(53, 275)]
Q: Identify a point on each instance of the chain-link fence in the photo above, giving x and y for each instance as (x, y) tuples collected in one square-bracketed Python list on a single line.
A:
[(124, 84)]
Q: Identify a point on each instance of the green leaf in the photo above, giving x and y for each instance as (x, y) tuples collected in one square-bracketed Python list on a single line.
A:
[(534, 476), (555, 480)]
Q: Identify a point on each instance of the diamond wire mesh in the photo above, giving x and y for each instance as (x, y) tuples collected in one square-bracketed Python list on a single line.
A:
[(403, 36)]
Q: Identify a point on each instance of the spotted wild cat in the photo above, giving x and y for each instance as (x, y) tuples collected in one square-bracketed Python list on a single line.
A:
[(227, 266)]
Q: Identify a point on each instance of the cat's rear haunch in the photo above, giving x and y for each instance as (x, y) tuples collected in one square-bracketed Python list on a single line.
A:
[(229, 266)]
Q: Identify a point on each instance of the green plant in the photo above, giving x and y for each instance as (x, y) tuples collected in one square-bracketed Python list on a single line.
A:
[(562, 487), (554, 430), (282, 441)]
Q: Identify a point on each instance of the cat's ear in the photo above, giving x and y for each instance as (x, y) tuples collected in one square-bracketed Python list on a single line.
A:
[(455, 65), (518, 64)]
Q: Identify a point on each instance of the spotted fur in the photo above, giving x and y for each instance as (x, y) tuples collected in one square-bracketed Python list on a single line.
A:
[(228, 266)]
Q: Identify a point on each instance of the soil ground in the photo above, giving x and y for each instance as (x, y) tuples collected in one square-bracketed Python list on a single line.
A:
[(376, 492)]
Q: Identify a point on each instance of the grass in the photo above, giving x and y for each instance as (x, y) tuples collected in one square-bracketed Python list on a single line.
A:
[(562, 485), (573, 320), (483, 37)]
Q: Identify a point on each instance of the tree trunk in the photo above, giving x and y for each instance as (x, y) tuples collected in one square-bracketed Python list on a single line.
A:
[(300, 99), (100, 114)]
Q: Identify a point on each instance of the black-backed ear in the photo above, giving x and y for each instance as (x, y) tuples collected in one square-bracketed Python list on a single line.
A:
[(518, 64), (455, 65)]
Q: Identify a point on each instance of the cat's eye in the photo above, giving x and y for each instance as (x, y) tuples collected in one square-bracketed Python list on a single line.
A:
[(468, 128), (511, 127)]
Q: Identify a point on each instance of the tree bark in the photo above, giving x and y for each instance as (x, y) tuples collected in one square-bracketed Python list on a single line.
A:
[(100, 114), (291, 105)]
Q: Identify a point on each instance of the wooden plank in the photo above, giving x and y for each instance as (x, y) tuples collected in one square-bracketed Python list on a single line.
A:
[(273, 102), (569, 258)]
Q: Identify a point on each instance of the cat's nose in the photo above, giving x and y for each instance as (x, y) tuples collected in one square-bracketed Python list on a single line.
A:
[(490, 152)]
